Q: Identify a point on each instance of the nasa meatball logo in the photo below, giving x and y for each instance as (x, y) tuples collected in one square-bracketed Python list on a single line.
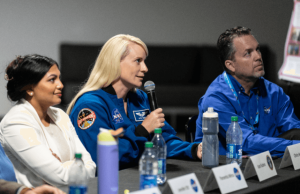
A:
[(267, 110), (86, 118), (194, 185), (237, 174), (117, 117), (270, 163)]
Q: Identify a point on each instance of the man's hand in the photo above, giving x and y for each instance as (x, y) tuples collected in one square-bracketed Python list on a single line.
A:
[(199, 152), (154, 120), (45, 189)]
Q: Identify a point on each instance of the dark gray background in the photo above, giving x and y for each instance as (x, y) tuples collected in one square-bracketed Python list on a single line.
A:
[(35, 26)]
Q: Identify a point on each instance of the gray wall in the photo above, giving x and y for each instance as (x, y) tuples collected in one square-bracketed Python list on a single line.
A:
[(39, 26)]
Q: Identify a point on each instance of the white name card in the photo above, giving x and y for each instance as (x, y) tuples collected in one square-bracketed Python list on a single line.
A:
[(229, 178), (261, 165), (153, 190), (186, 184), (291, 157)]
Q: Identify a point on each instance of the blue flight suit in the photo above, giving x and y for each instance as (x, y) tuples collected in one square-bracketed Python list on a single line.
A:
[(6, 168), (276, 115), (102, 109)]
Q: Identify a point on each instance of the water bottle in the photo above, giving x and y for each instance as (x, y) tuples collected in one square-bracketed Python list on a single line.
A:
[(210, 143), (78, 177), (148, 167), (160, 148), (234, 139), (107, 163)]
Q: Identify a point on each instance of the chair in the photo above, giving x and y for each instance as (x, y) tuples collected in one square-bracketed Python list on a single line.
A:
[(190, 128)]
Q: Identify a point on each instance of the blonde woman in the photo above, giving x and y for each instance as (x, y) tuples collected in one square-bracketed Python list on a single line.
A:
[(110, 99), (39, 139)]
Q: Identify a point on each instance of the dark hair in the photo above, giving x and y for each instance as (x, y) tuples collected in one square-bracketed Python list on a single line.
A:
[(23, 71), (225, 43)]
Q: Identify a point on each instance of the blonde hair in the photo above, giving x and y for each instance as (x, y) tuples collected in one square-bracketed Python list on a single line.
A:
[(107, 67)]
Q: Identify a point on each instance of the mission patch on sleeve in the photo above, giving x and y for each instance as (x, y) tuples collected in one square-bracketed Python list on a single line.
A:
[(86, 118)]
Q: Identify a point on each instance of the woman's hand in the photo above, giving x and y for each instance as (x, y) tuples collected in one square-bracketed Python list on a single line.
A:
[(199, 152), (117, 133), (154, 120), (45, 189)]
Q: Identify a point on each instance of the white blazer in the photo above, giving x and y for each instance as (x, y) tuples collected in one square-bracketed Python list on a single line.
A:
[(27, 144)]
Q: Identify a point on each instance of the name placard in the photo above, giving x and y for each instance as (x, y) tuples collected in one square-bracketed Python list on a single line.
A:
[(229, 178), (261, 165), (186, 184), (291, 157), (153, 190)]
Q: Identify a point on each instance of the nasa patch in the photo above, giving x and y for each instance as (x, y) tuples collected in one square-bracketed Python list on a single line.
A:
[(86, 118), (267, 110), (140, 115), (116, 116)]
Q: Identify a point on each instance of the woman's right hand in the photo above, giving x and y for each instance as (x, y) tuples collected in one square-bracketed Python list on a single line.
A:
[(154, 120)]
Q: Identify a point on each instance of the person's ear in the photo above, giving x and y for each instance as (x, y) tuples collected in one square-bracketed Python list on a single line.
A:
[(230, 65), (29, 90)]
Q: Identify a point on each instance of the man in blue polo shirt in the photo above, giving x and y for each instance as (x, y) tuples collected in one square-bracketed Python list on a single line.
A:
[(265, 113)]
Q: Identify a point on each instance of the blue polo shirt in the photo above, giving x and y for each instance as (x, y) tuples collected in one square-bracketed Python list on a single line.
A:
[(276, 115), (6, 168)]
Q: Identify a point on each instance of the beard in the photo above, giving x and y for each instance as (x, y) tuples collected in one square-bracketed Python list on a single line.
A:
[(259, 74)]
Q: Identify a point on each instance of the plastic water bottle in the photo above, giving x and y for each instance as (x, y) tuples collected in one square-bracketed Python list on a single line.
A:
[(210, 143), (78, 177), (148, 167), (160, 148), (234, 140)]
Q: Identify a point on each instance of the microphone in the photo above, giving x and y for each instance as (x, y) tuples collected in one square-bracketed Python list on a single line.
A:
[(149, 86)]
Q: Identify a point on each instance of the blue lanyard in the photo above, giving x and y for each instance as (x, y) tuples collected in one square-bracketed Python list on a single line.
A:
[(228, 81)]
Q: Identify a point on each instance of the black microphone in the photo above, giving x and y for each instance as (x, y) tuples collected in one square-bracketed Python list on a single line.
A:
[(150, 90)]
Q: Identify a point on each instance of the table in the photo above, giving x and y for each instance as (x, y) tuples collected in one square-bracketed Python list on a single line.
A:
[(287, 180)]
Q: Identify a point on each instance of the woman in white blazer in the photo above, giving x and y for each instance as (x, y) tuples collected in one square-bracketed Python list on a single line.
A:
[(39, 139)]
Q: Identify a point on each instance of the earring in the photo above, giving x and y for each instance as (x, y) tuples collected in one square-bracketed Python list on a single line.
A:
[(31, 93)]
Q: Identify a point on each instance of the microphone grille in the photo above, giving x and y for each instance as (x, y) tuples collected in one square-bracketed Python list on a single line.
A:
[(149, 85)]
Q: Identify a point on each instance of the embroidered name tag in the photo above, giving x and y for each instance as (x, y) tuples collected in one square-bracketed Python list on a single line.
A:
[(140, 115), (116, 116)]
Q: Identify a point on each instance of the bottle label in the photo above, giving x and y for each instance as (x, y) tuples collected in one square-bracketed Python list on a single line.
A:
[(234, 151), (161, 166), (147, 181), (78, 190)]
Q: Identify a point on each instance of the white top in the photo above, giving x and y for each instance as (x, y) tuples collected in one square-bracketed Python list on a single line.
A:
[(60, 141), (27, 144)]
